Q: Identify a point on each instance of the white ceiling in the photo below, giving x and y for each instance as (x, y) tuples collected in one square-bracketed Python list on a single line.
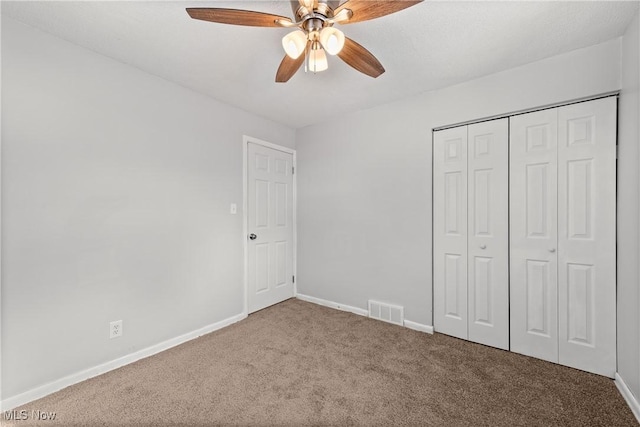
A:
[(432, 45)]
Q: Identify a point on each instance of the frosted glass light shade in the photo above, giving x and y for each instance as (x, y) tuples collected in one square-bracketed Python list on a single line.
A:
[(294, 43), (332, 40), (317, 60)]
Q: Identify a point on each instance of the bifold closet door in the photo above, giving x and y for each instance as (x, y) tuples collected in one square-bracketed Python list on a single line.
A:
[(450, 231), (488, 233), (534, 234), (587, 236), (471, 233), (563, 222)]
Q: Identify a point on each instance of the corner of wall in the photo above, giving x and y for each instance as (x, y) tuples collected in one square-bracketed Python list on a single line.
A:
[(628, 396), (628, 357)]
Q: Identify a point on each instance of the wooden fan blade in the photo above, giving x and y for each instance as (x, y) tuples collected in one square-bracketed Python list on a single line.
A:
[(288, 67), (360, 58), (237, 17), (364, 10)]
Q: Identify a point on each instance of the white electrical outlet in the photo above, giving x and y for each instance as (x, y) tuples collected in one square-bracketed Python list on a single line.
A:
[(115, 329)]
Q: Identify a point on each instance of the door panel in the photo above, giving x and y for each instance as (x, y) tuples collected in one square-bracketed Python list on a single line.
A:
[(533, 234), (586, 235), (488, 233), (482, 293), (537, 198), (270, 218), (450, 232), (537, 280), (580, 310), (261, 251), (453, 279), (453, 190)]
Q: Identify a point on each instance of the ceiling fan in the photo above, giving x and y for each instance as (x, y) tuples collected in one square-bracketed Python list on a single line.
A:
[(315, 35)]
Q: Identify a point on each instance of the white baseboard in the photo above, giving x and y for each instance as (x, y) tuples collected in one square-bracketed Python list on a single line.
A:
[(46, 389), (331, 304), (360, 311), (418, 327), (628, 396)]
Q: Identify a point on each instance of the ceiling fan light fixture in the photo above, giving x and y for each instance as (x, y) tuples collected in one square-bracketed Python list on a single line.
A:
[(332, 40), (317, 59), (315, 35), (294, 43)]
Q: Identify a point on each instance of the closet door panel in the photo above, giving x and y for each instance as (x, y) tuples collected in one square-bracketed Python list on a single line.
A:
[(533, 234), (586, 235), (488, 238), (450, 231)]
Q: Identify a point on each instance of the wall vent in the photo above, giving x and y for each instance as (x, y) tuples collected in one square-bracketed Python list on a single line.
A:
[(386, 312)]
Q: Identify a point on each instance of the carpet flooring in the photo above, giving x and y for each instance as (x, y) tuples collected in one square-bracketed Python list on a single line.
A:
[(298, 363)]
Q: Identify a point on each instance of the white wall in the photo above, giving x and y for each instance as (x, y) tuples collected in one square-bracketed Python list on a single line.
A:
[(629, 212), (364, 182), (116, 188)]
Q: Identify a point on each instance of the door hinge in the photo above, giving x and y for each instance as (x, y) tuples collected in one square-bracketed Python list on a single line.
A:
[(293, 278), (293, 170)]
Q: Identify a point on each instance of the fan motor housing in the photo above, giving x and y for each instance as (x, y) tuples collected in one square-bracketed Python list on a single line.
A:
[(324, 8)]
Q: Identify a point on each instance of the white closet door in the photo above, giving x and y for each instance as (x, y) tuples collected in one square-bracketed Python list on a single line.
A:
[(488, 233), (450, 231), (533, 234), (586, 235)]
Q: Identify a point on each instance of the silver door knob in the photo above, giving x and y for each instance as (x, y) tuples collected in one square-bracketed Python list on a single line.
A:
[(483, 246), (552, 250), (252, 236)]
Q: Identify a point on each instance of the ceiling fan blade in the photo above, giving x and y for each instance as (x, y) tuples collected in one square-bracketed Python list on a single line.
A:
[(360, 58), (288, 67), (364, 10), (237, 17)]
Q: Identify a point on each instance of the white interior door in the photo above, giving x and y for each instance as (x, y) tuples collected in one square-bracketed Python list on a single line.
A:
[(533, 234), (488, 233), (450, 231), (269, 226), (586, 236)]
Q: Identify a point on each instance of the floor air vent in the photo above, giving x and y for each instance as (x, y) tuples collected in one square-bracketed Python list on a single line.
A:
[(386, 312)]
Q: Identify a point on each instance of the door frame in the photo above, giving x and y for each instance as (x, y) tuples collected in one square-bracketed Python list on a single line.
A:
[(245, 213)]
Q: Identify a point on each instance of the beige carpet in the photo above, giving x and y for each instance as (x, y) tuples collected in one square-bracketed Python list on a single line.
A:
[(297, 363)]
